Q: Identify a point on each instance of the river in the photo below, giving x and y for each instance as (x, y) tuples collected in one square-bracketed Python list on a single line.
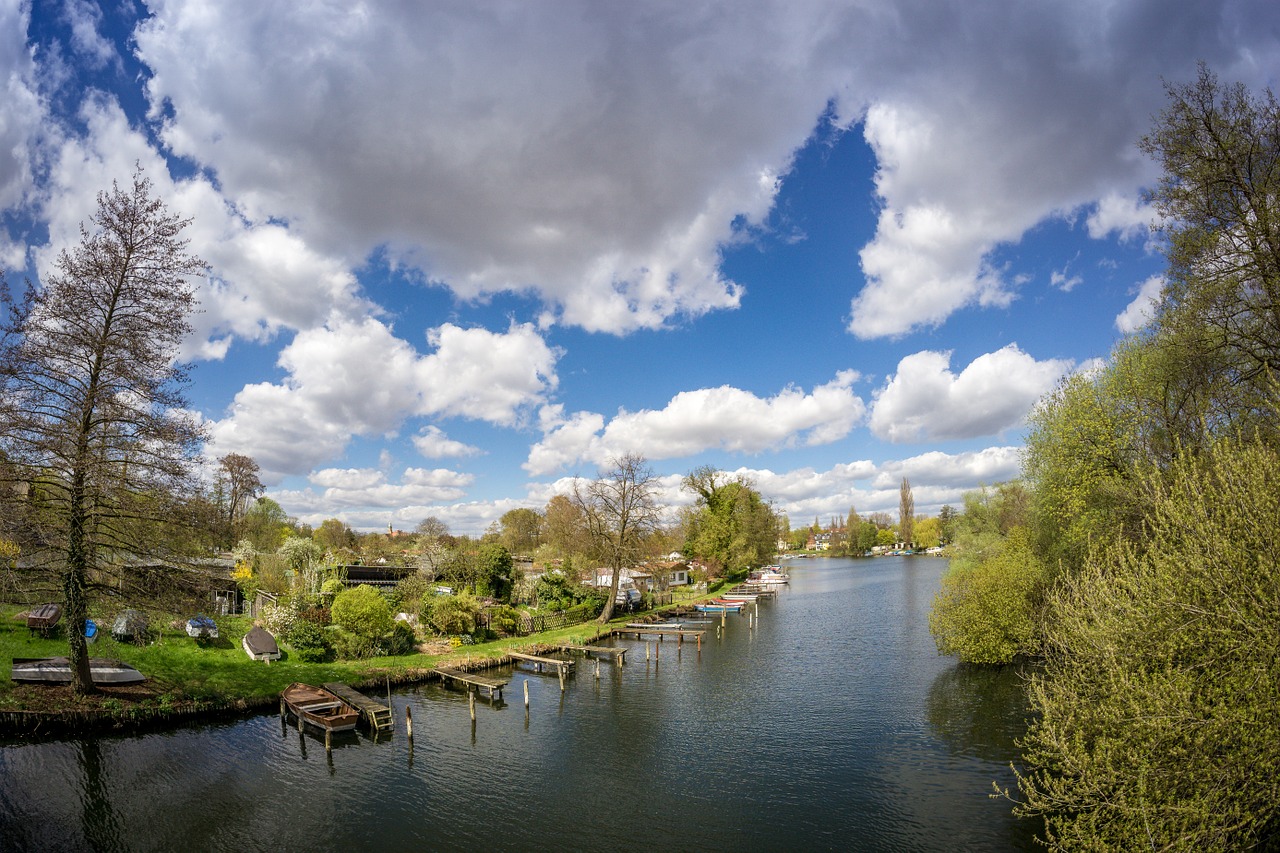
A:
[(832, 724)]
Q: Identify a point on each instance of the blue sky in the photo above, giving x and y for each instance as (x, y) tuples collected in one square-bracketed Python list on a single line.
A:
[(464, 252)]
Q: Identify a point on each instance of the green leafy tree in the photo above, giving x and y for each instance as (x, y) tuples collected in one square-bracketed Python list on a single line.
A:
[(266, 525), (987, 610), (520, 530), (731, 526), (1158, 705), (906, 513), (496, 571), (362, 611), (91, 414)]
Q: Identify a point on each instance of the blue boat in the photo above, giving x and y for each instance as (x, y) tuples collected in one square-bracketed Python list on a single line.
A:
[(90, 631)]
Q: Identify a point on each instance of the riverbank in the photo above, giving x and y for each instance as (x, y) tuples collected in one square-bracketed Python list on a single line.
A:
[(189, 679)]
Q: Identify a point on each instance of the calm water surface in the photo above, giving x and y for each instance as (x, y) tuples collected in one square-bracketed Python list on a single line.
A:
[(833, 725)]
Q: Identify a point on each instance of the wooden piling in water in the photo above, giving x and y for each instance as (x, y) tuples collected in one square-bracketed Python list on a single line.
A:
[(328, 740), (526, 693), (597, 670), (471, 700), (408, 722)]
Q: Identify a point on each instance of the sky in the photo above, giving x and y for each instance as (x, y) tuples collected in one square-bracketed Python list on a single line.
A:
[(463, 252)]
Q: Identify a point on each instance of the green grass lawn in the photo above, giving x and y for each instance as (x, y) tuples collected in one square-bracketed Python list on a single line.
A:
[(182, 668)]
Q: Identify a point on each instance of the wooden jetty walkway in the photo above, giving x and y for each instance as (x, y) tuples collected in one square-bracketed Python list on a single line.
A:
[(377, 715), (618, 654), (640, 629), (471, 679), (563, 667)]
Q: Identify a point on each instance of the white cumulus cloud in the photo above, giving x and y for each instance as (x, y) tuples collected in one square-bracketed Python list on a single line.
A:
[(925, 401), (1141, 310)]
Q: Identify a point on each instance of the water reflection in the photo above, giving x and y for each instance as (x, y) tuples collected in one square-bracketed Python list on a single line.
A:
[(827, 723), (979, 711), (97, 817)]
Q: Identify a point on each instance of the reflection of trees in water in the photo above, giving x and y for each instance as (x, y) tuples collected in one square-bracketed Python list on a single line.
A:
[(98, 819), (979, 711)]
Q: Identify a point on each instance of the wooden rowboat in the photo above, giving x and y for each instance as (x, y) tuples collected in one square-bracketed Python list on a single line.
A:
[(319, 707), (44, 617), (58, 671)]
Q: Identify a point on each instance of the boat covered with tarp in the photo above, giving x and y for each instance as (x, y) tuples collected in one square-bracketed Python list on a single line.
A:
[(58, 671), (260, 645), (202, 628), (130, 624)]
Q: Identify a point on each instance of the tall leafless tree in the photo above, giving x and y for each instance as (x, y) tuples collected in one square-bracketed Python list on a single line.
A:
[(238, 486), (93, 418), (619, 508)]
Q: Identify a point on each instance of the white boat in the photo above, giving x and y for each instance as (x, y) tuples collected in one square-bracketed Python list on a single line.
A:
[(768, 575), (58, 671), (740, 596), (202, 628)]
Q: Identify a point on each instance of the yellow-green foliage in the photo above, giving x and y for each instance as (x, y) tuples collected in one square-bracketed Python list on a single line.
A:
[(987, 609), (1158, 709), (362, 611)]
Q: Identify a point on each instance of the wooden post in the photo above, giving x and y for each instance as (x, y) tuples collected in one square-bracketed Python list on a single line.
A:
[(597, 669), (657, 652), (699, 642), (646, 650), (328, 740), (560, 669), (299, 724), (680, 640), (526, 693), (282, 710), (388, 691), (408, 722), (471, 699)]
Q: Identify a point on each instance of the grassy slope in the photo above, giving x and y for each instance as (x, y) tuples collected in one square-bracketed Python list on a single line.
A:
[(183, 668)]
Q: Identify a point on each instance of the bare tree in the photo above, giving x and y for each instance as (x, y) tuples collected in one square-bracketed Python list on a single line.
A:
[(906, 513), (238, 487), (92, 414), (619, 507)]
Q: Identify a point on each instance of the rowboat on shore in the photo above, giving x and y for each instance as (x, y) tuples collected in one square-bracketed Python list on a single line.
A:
[(58, 671), (44, 618), (319, 707), (260, 645)]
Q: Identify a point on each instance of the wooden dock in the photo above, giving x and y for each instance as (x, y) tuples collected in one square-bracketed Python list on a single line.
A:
[(640, 629), (563, 667), (377, 715), (471, 679), (618, 654)]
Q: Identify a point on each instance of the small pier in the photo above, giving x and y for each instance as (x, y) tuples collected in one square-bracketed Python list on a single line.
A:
[(640, 629), (377, 715), (562, 667), (618, 655), (481, 682)]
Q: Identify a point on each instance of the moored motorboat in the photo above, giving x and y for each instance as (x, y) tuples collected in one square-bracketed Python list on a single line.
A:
[(260, 645), (130, 625), (58, 671), (768, 575), (319, 707)]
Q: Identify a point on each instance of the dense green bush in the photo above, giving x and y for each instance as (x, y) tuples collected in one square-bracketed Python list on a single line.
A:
[(310, 641), (454, 615), (504, 620), (987, 611), (362, 611), (1159, 702), (401, 640)]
